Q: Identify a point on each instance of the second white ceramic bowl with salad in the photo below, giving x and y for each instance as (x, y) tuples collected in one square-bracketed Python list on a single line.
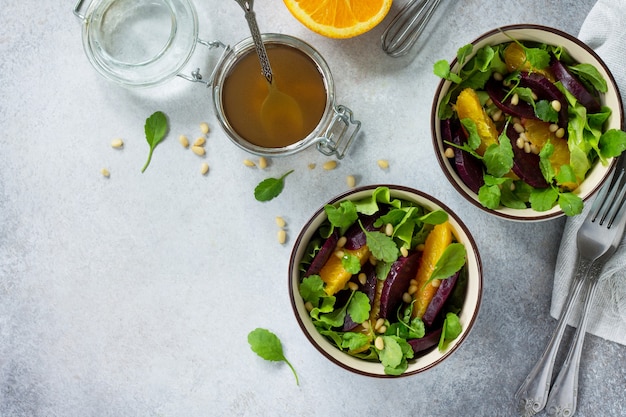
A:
[(376, 344), (571, 51)]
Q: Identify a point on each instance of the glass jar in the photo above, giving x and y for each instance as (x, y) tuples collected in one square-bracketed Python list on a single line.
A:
[(143, 43)]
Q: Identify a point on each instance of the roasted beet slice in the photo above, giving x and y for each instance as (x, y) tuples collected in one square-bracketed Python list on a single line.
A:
[(545, 90), (574, 86), (322, 256), (499, 97), (441, 296), (355, 235), (525, 165), (369, 289), (469, 168), (397, 282), (429, 340)]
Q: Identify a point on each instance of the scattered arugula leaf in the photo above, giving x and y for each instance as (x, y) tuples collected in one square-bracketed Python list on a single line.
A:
[(155, 129), (267, 345), (270, 188)]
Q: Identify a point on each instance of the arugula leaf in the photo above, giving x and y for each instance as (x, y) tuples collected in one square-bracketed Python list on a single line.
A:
[(434, 217), (155, 129), (451, 261), (542, 199), (354, 341), (590, 74), (545, 165), (451, 330), (612, 143), (270, 188), (473, 139), (570, 203), (267, 345)]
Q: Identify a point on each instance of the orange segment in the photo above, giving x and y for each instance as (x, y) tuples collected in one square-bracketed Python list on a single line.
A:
[(436, 243), (333, 273), (339, 18), (515, 59), (538, 133), (468, 106)]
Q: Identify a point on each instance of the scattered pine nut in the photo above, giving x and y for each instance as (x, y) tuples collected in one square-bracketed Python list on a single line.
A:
[(330, 165), (497, 76), (351, 181), (204, 128), (248, 163), (199, 142), (204, 168), (280, 222), (262, 162), (198, 150), (382, 329), (105, 172), (183, 141), (281, 236), (311, 165), (383, 163), (117, 143), (449, 153)]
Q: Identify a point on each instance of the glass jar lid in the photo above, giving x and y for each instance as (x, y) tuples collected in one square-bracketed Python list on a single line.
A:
[(139, 43)]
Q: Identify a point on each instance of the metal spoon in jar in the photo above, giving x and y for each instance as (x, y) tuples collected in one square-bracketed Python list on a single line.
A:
[(279, 111), (407, 26)]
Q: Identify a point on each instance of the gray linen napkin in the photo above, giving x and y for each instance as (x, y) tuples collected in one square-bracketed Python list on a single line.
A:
[(604, 30)]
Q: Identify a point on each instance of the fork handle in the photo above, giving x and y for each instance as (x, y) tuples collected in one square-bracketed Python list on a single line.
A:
[(532, 395), (563, 396)]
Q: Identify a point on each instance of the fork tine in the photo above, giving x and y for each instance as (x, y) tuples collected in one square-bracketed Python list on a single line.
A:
[(602, 205), (618, 210)]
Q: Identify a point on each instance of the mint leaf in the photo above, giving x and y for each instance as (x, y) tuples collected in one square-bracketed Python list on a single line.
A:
[(155, 129), (270, 188), (267, 345)]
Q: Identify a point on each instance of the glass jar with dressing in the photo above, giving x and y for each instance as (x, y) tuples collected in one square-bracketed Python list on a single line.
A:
[(140, 43)]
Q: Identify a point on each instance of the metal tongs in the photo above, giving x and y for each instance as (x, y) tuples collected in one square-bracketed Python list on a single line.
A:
[(407, 26)]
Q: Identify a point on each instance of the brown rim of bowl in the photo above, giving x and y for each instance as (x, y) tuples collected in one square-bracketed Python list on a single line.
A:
[(343, 196), (446, 168)]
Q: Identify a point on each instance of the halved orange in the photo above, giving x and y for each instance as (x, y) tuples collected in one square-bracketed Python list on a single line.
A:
[(339, 18)]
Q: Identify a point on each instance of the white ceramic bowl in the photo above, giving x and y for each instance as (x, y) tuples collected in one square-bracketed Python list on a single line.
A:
[(418, 364), (581, 53)]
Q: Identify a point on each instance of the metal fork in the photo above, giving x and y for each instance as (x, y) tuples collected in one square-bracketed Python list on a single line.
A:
[(597, 240)]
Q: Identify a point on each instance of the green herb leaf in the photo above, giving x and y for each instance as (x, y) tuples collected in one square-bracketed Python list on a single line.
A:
[(451, 261), (354, 341), (382, 246), (434, 217), (270, 188), (545, 165), (473, 139), (267, 345), (343, 216), (591, 75), (498, 158), (612, 143), (155, 129), (538, 58), (351, 264), (571, 204), (359, 307), (543, 199), (545, 111), (451, 330), (312, 289)]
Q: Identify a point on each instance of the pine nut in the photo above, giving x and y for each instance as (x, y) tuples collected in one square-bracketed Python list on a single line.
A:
[(404, 251), (350, 181), (183, 141), (382, 329), (515, 99), (449, 153), (248, 163), (262, 162), (383, 163), (389, 229), (420, 247), (311, 166), (413, 282), (406, 297), (353, 286), (204, 168), (342, 242), (518, 127), (435, 283), (339, 254), (497, 76), (379, 343), (199, 142), (198, 150), (117, 143), (497, 115), (204, 128), (281, 236), (412, 289), (280, 222), (105, 172), (330, 165), (560, 132), (309, 306), (519, 143), (534, 149), (379, 323), (534, 95), (365, 324), (556, 105), (553, 127), (362, 278), (526, 147)]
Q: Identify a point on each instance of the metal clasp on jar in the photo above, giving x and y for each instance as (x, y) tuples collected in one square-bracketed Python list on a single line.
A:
[(340, 133)]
